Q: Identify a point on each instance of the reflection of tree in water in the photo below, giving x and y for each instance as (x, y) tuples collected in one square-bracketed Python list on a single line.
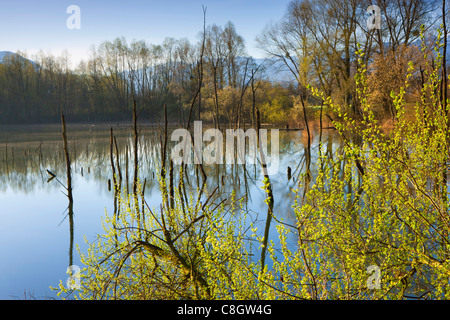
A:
[(30, 154), (90, 155)]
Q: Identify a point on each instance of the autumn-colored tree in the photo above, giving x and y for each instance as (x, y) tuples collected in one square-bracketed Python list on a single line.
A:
[(387, 75)]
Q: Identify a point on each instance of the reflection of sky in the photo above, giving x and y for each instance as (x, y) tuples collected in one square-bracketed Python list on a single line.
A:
[(34, 234), (34, 237)]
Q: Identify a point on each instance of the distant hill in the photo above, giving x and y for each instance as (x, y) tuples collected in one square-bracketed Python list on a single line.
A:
[(4, 54), (8, 54)]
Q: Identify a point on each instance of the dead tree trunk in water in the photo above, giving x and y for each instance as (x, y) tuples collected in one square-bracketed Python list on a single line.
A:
[(119, 171), (269, 194), (66, 154), (135, 149), (111, 155), (117, 179), (302, 99), (198, 92), (163, 140), (68, 187)]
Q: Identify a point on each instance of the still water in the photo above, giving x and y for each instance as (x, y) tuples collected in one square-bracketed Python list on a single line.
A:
[(38, 241)]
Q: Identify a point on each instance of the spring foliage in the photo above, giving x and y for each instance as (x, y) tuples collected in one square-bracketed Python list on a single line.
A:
[(381, 200)]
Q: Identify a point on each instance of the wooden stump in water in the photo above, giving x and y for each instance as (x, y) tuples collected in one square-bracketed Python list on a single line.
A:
[(68, 164)]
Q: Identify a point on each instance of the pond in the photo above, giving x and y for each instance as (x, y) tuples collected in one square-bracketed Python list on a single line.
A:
[(38, 239)]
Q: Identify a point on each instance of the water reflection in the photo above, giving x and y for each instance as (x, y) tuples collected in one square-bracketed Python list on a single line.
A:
[(26, 157), (27, 154), (104, 155)]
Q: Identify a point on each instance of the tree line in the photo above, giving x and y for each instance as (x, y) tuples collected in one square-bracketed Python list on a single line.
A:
[(103, 87), (316, 41)]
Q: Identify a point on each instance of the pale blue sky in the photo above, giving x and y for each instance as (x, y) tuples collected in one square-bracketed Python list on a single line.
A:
[(33, 25)]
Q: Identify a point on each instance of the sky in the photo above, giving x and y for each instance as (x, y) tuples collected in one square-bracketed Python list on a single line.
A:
[(29, 26)]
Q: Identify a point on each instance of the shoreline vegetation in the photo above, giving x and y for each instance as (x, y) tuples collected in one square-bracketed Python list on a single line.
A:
[(380, 203)]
